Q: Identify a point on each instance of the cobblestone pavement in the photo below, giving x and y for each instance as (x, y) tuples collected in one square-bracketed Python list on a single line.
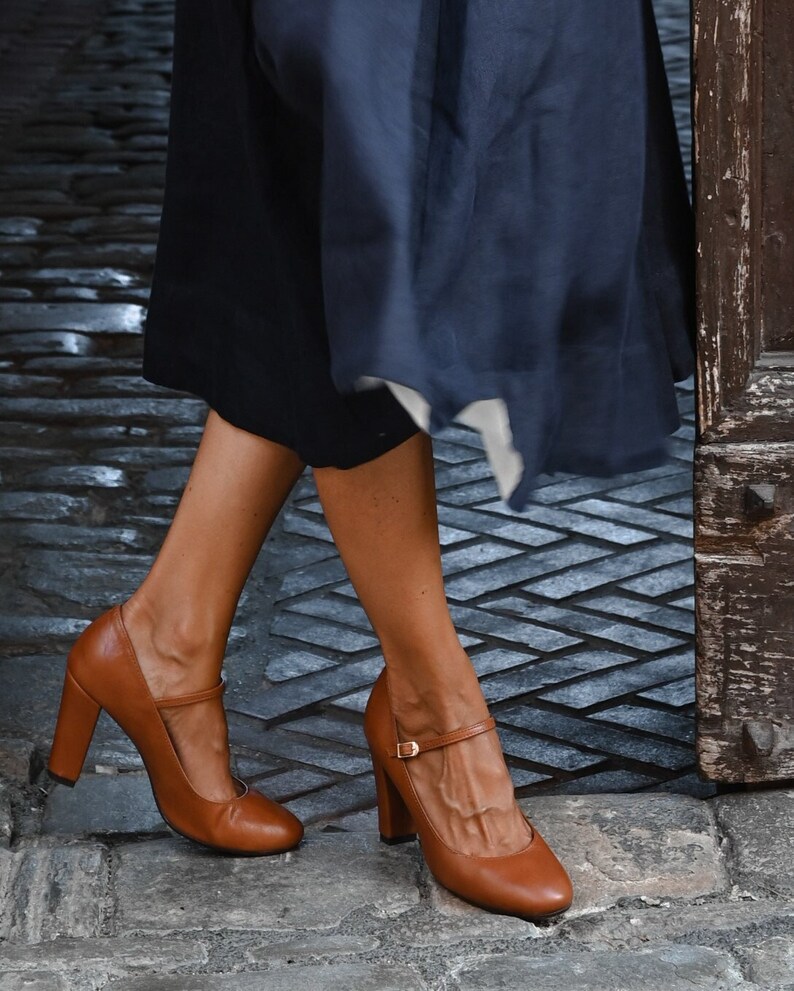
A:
[(578, 615)]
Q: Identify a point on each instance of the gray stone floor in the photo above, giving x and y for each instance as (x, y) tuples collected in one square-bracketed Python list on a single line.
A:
[(578, 615)]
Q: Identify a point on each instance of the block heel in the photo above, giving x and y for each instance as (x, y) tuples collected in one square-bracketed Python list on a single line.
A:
[(74, 730), (395, 821)]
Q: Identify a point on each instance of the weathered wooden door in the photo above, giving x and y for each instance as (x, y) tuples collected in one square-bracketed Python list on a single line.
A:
[(743, 60)]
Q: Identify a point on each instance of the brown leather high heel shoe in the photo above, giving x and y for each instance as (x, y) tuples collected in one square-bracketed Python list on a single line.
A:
[(530, 883), (102, 672)]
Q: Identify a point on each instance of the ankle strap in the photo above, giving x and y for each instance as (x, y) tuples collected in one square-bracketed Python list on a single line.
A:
[(210, 693), (414, 747)]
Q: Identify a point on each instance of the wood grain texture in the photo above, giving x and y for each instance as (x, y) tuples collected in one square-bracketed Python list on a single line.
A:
[(778, 176), (726, 115), (744, 459), (744, 612)]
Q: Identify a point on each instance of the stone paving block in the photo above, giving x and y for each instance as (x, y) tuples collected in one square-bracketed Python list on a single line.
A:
[(105, 278), (165, 885), (35, 981), (327, 977), (355, 702), (294, 664), (569, 488), (545, 752), (509, 629), (688, 783), (648, 491), (449, 535), (103, 804), (336, 609), (54, 891), (90, 410), (771, 961), (584, 578), (647, 612), (67, 535), (6, 818), (30, 696), (455, 475), (17, 759), (456, 921), (573, 523), (459, 433), (300, 693), (530, 536), (42, 506), (602, 783), (247, 767), (663, 581), (476, 522), (110, 756), (102, 957), (321, 634), (116, 318), (583, 622), (451, 452), (759, 828), (475, 556), (707, 921), (663, 968), (146, 457), (290, 748), (492, 661), (621, 681), (681, 506), (315, 528), (650, 721), (635, 515), (631, 846), (171, 479), (45, 342), (521, 777), (365, 821), (600, 738), (78, 476), (335, 800), (90, 580), (542, 673), (309, 949), (298, 553), (678, 693), (351, 734), (289, 784), (518, 569)]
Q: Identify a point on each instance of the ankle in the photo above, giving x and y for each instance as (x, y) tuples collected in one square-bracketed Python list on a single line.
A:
[(180, 646), (437, 697)]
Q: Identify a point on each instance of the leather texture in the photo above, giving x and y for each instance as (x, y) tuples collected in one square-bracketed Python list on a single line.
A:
[(102, 672), (531, 883), (412, 748)]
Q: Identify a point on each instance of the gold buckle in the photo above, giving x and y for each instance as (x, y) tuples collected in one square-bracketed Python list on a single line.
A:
[(412, 751)]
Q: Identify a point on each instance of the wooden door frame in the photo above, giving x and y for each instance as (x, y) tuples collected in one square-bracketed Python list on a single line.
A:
[(744, 454)]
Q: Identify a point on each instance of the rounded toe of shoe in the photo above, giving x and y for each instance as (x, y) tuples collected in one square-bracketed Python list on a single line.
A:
[(267, 827), (548, 889)]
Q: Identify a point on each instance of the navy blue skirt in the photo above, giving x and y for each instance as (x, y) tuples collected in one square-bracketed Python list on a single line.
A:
[(381, 217)]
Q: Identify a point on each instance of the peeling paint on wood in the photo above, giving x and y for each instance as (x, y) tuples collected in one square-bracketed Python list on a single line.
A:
[(725, 105), (743, 103)]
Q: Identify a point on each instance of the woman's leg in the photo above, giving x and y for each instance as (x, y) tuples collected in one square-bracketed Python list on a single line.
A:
[(179, 618), (383, 517)]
